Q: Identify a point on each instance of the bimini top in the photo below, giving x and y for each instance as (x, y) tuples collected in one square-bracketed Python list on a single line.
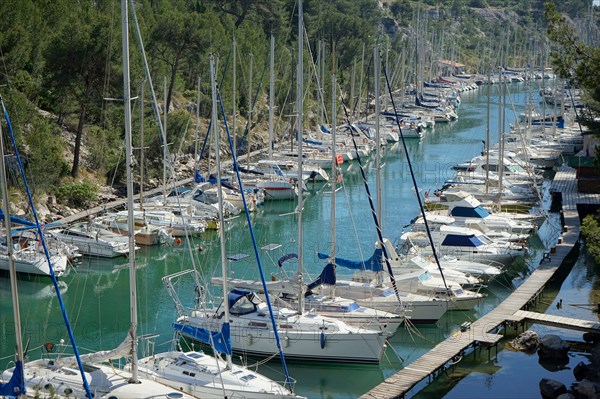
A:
[(468, 212), (456, 240)]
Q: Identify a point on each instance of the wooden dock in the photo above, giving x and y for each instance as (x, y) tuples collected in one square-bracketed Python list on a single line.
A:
[(482, 332)]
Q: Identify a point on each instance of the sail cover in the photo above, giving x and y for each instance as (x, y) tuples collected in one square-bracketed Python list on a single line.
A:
[(327, 277), (123, 350), (220, 340), (15, 386), (374, 263)]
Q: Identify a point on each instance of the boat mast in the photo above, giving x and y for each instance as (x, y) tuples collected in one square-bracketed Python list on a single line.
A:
[(334, 165), (299, 123), (487, 135), (130, 227), (142, 146), (376, 89), (271, 95), (234, 101), (11, 266), (215, 128), (165, 141), (196, 161)]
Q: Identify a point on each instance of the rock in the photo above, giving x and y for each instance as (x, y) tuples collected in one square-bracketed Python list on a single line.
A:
[(581, 371), (595, 356), (590, 337), (526, 342), (587, 390), (567, 395), (551, 389), (553, 347)]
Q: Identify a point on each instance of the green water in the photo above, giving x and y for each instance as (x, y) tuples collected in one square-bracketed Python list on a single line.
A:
[(96, 294)]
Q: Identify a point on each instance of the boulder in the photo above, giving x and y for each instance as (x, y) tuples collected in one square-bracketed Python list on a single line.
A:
[(581, 371), (526, 342), (587, 390), (551, 389), (590, 337), (553, 347)]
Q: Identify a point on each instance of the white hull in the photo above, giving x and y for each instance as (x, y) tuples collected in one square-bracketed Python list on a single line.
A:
[(200, 375), (45, 381), (30, 261)]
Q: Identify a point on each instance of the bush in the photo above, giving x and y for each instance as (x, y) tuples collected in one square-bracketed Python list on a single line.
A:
[(591, 232), (77, 195)]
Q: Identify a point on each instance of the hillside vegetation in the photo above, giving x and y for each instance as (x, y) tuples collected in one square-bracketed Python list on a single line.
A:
[(61, 62)]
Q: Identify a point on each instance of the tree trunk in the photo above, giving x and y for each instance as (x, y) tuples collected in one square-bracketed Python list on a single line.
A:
[(78, 136), (172, 82)]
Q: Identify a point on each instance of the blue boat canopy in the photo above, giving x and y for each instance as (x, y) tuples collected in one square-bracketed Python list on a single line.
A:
[(219, 340), (478, 212), (462, 241)]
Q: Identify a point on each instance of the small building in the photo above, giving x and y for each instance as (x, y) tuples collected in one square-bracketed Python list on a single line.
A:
[(587, 164), (449, 67)]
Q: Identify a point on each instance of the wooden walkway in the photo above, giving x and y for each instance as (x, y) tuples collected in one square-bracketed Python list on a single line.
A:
[(557, 321), (482, 331)]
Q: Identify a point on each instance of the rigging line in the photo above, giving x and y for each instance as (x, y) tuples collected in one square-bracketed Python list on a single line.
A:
[(254, 245), (412, 175), (371, 205), (47, 253)]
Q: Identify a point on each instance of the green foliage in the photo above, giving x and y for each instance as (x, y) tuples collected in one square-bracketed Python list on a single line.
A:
[(590, 228), (576, 61), (77, 195), (105, 149), (45, 163)]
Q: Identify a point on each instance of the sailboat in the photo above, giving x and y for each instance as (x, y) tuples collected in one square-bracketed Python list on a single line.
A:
[(57, 377), (196, 372)]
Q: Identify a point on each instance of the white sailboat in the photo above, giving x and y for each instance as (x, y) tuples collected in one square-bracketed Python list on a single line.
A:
[(93, 239)]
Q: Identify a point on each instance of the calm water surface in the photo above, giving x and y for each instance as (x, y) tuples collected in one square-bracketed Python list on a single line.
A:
[(97, 294)]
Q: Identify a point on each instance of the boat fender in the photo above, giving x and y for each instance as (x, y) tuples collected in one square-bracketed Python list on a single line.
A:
[(323, 340), (178, 241), (249, 339), (286, 341)]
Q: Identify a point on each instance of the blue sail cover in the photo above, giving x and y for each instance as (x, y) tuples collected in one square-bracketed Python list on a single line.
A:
[(375, 263), (15, 386), (455, 240), (220, 340), (327, 277)]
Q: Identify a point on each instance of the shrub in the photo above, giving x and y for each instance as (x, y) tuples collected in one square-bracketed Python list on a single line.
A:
[(591, 231), (76, 195)]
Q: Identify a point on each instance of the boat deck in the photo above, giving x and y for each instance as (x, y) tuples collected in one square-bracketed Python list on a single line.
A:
[(482, 331)]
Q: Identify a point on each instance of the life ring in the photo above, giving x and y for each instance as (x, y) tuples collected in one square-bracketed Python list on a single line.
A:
[(365, 140)]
